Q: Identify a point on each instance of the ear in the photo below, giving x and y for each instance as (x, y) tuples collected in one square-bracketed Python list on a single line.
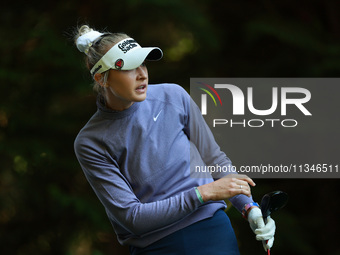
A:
[(98, 77)]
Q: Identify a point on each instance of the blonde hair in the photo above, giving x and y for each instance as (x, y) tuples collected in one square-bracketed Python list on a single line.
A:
[(98, 49)]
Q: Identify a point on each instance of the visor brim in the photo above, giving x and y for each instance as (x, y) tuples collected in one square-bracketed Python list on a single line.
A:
[(135, 58)]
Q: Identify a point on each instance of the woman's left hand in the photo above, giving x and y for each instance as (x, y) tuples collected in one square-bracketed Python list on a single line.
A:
[(226, 187)]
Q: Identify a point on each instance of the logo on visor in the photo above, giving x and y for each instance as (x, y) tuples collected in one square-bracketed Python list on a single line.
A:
[(127, 45), (119, 64), (96, 70)]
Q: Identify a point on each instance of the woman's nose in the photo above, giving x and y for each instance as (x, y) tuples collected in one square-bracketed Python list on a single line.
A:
[(142, 72)]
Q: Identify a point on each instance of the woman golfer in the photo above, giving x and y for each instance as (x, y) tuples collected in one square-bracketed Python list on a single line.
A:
[(136, 152)]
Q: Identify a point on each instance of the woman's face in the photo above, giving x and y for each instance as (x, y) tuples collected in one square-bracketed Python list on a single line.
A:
[(124, 87)]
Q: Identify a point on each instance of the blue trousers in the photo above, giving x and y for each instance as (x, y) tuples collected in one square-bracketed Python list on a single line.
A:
[(212, 236)]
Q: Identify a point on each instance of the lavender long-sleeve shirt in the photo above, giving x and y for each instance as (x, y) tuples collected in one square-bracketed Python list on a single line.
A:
[(138, 164)]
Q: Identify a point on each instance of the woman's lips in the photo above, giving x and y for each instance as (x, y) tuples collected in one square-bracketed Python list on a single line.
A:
[(141, 89)]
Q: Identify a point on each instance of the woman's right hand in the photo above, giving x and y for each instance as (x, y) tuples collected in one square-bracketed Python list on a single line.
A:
[(226, 187)]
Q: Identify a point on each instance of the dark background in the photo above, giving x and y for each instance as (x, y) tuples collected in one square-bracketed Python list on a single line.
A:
[(46, 205)]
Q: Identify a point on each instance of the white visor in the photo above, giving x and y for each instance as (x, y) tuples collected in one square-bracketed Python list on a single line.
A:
[(126, 55)]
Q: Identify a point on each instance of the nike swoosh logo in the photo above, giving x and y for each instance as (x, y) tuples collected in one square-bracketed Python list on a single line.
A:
[(155, 118)]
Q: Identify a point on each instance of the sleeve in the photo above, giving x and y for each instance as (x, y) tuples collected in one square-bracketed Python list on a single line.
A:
[(118, 198), (201, 136)]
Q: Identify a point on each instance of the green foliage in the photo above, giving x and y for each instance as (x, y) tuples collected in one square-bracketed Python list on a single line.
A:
[(46, 204)]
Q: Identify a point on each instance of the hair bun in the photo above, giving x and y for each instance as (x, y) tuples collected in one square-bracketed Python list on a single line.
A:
[(86, 36)]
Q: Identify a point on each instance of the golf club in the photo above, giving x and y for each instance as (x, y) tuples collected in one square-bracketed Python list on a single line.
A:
[(272, 202)]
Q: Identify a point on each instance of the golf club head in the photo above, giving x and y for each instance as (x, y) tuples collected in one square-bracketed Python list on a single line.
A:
[(272, 202)]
